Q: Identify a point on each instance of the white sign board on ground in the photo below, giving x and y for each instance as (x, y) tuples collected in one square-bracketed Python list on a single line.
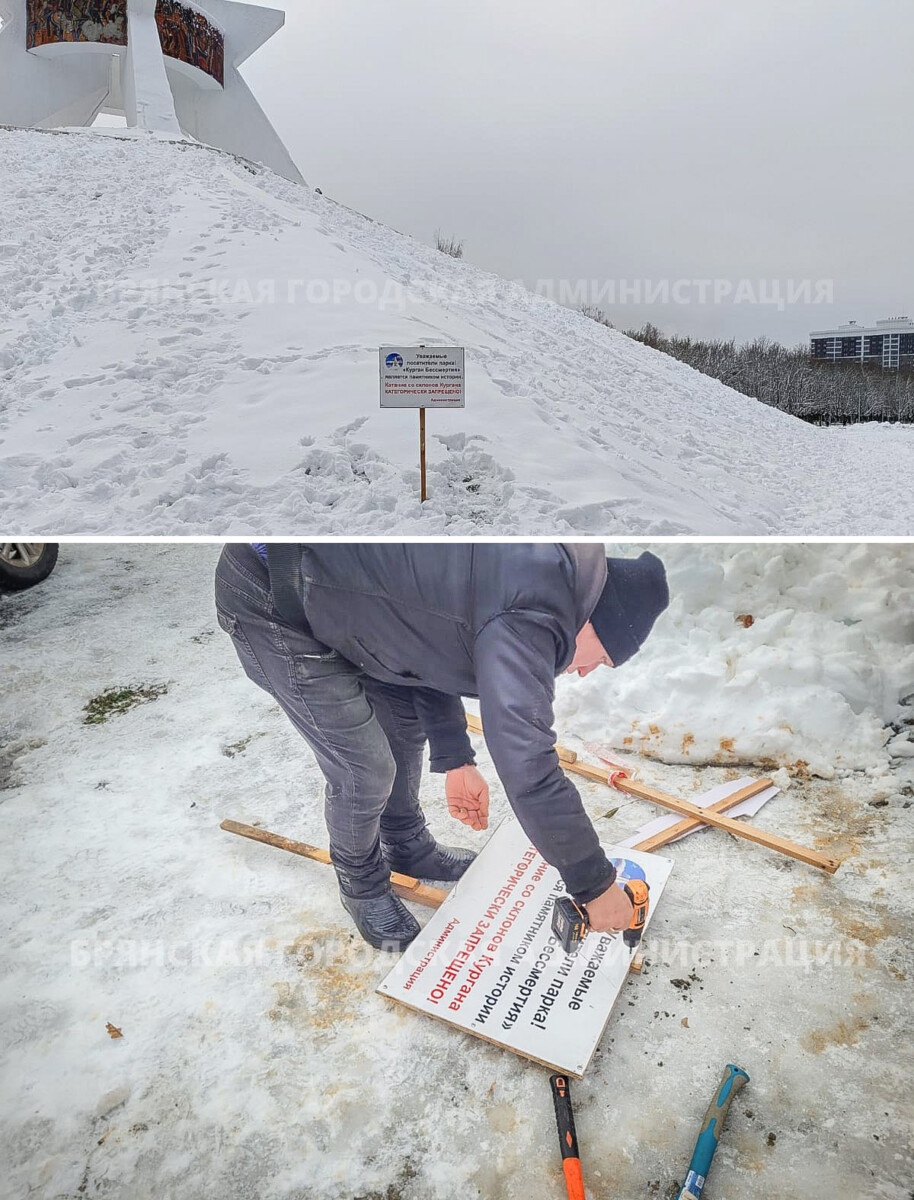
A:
[(488, 963), (422, 377)]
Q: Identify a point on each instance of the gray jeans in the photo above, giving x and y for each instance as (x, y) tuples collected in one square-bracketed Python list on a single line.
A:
[(365, 734)]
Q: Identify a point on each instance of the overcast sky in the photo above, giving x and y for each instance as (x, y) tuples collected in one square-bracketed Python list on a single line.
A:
[(621, 140)]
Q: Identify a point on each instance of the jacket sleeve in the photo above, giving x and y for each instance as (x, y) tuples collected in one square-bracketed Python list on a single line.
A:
[(515, 657), (444, 722)]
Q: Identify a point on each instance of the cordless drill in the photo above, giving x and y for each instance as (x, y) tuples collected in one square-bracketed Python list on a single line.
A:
[(570, 922)]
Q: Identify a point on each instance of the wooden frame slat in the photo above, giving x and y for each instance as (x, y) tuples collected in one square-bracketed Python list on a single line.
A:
[(712, 815)]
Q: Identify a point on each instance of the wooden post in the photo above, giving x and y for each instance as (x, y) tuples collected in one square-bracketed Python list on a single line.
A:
[(739, 828), (712, 815), (705, 816), (422, 452), (691, 823), (403, 885)]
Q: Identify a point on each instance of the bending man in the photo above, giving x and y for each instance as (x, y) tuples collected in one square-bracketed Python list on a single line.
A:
[(368, 648)]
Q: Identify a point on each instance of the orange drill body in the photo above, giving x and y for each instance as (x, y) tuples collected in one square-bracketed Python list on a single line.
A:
[(638, 892), (570, 922)]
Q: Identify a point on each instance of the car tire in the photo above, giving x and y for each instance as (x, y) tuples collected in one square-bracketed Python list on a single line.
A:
[(23, 564)]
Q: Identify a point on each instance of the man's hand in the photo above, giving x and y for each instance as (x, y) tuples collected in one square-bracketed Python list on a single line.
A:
[(611, 912), (467, 797)]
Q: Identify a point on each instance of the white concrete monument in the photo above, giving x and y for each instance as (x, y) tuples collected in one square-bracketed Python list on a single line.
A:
[(168, 66)]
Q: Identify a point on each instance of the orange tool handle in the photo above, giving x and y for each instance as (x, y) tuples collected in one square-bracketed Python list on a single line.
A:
[(574, 1180), (568, 1138), (638, 892)]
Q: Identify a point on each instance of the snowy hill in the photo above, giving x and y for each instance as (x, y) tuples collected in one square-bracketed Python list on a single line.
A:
[(189, 346)]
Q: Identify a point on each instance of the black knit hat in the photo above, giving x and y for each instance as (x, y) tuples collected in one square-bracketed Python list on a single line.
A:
[(634, 596)]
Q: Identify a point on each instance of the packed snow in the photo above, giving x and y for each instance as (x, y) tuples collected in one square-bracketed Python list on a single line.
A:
[(801, 659), (189, 344), (256, 1059)]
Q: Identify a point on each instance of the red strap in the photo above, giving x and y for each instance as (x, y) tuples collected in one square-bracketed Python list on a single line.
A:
[(615, 776)]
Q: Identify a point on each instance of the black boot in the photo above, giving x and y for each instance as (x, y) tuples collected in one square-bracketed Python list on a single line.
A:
[(383, 921), (425, 858)]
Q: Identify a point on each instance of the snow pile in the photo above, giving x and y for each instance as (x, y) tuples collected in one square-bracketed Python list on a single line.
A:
[(795, 656), (189, 345)]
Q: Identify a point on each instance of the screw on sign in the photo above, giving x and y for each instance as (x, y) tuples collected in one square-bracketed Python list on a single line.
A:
[(422, 377)]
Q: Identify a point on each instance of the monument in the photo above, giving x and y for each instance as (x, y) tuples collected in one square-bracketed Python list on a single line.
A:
[(168, 66)]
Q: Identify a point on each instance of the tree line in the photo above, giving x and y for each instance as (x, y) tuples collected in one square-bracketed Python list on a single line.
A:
[(819, 392)]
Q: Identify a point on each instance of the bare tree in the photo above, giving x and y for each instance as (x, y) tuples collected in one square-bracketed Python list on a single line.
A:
[(448, 245), (596, 314)]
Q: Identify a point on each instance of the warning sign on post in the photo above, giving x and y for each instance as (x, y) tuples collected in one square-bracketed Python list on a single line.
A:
[(488, 963), (422, 377)]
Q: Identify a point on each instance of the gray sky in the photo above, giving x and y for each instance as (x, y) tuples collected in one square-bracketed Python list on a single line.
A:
[(621, 140)]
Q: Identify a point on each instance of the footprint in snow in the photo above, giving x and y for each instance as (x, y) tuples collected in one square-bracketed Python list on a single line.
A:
[(509, 388)]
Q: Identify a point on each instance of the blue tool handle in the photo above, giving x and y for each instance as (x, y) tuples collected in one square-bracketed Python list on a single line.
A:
[(711, 1129)]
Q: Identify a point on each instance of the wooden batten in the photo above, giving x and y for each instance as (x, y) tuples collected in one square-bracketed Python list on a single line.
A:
[(712, 815), (691, 823), (404, 885)]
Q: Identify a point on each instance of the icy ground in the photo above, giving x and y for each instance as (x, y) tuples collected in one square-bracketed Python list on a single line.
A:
[(256, 1060), (187, 346)]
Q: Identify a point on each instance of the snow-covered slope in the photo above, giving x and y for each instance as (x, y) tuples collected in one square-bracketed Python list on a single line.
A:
[(190, 346)]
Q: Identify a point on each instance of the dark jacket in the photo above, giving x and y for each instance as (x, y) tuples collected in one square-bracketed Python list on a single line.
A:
[(450, 620)]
